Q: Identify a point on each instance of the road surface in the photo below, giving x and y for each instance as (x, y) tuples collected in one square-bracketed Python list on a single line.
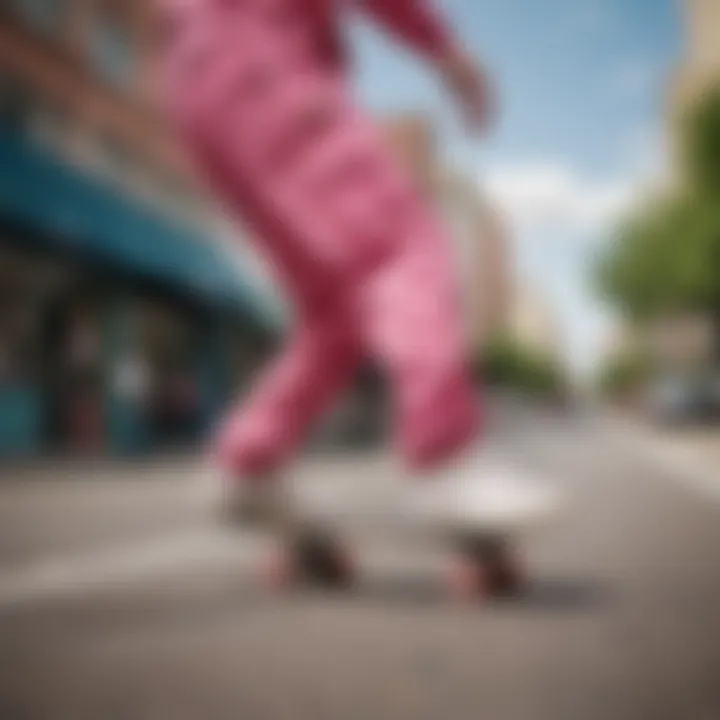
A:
[(121, 599)]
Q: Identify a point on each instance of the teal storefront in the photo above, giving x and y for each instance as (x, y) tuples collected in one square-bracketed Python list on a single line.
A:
[(119, 257), (20, 420)]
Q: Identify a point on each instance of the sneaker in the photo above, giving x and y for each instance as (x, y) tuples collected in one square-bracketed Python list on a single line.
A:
[(248, 503), (490, 497)]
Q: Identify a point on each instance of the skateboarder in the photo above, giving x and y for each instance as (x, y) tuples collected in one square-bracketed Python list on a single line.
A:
[(260, 94)]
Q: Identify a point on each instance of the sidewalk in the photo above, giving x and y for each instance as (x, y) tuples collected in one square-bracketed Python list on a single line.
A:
[(703, 444), (693, 454)]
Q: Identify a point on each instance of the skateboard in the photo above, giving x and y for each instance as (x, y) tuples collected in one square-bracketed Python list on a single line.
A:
[(478, 522)]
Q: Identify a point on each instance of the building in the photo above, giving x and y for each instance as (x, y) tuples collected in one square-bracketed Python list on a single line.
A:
[(482, 258), (534, 322), (700, 64), (481, 249), (413, 138), (618, 339), (122, 321), (683, 341), (699, 67)]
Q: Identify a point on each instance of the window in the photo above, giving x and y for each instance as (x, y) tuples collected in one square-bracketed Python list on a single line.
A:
[(111, 46), (18, 317), (184, 202), (24, 110), (16, 103), (44, 15), (114, 158), (48, 124)]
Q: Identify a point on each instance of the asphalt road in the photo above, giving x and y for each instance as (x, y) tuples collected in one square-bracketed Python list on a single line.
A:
[(121, 599)]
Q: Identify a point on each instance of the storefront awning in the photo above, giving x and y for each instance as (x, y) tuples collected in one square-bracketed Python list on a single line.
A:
[(66, 207)]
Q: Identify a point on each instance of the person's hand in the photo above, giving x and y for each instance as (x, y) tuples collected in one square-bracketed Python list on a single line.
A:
[(469, 84)]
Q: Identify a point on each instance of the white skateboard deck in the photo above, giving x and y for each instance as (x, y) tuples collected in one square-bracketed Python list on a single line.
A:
[(494, 501), (491, 500)]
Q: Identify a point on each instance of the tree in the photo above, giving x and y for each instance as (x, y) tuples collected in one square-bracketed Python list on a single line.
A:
[(701, 145), (665, 257), (508, 363), (623, 373)]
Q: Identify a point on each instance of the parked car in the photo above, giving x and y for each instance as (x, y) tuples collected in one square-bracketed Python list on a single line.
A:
[(681, 400)]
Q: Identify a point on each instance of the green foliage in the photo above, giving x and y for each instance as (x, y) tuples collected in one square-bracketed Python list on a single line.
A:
[(701, 144), (623, 373), (507, 363), (665, 257)]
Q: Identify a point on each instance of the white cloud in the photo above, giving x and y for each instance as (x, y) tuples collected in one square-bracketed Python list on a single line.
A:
[(553, 202), (645, 147), (553, 197)]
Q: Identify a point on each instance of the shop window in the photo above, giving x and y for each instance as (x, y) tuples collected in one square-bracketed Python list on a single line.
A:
[(44, 15), (170, 195), (48, 124), (17, 101), (184, 203), (126, 168), (18, 321), (23, 109), (111, 45), (114, 159)]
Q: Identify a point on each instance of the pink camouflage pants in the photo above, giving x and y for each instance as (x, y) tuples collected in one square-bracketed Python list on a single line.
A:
[(265, 109)]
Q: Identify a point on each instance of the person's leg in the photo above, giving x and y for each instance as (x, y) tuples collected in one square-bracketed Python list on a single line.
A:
[(263, 430), (414, 324), (260, 434), (329, 202)]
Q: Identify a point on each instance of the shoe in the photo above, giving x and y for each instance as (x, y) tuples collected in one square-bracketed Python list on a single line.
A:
[(250, 503), (484, 497)]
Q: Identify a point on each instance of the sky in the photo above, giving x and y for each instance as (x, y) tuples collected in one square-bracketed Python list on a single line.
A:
[(582, 87)]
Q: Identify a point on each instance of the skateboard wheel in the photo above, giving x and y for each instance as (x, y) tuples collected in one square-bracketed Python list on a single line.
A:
[(313, 560), (484, 567), (278, 571), (466, 579), (506, 576), (323, 561)]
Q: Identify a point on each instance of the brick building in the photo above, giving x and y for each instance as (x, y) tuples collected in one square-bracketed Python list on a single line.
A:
[(112, 281)]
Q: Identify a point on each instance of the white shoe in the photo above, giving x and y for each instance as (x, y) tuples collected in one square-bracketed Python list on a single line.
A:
[(490, 497), (251, 502)]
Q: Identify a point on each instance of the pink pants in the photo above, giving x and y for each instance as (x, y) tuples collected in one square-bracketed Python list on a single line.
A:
[(362, 258)]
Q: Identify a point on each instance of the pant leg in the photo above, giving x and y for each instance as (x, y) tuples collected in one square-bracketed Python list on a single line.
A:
[(281, 140), (414, 325), (408, 312), (264, 430)]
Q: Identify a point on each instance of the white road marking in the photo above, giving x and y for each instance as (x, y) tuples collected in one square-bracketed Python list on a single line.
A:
[(203, 547), (129, 564), (123, 564)]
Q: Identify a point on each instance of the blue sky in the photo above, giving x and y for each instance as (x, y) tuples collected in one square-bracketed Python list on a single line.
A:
[(582, 86)]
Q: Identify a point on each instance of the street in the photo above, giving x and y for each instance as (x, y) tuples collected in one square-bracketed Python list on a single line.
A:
[(121, 598)]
